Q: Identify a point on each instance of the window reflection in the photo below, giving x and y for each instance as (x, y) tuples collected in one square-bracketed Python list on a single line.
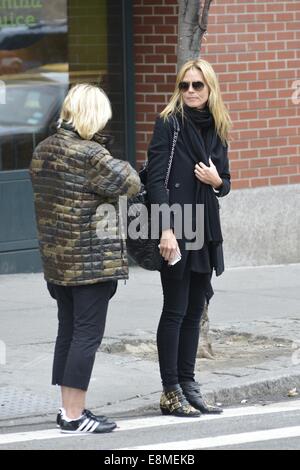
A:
[(58, 43)]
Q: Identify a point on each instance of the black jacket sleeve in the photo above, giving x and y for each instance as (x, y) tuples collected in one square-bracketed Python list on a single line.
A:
[(225, 176), (158, 160)]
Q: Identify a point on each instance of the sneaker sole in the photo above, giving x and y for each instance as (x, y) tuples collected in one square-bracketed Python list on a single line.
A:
[(87, 432)]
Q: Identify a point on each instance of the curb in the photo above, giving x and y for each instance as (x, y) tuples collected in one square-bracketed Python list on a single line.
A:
[(253, 392)]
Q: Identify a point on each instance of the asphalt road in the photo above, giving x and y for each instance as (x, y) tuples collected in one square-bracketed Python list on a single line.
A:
[(273, 426)]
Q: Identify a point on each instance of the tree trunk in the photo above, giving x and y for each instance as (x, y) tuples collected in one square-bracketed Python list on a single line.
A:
[(205, 347), (192, 26)]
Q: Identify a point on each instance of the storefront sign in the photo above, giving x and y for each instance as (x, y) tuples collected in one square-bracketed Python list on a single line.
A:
[(19, 12)]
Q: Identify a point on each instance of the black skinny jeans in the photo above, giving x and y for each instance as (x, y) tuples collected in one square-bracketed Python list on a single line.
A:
[(179, 327), (81, 323)]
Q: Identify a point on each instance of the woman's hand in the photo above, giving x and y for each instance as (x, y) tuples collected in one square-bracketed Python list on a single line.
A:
[(208, 174), (168, 245)]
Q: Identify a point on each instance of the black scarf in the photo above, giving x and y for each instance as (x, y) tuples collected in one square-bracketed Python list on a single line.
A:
[(201, 142), (201, 118)]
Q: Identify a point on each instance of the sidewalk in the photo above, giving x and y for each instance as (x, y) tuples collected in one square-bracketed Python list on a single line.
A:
[(255, 330)]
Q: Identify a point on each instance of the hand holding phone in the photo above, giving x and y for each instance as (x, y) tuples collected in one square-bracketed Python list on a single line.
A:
[(175, 260)]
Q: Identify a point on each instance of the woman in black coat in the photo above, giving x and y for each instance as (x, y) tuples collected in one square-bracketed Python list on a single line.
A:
[(199, 175)]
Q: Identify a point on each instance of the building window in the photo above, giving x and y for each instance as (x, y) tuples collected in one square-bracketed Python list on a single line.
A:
[(44, 47)]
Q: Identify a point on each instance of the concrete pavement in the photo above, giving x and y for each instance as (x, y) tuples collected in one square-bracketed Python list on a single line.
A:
[(255, 330)]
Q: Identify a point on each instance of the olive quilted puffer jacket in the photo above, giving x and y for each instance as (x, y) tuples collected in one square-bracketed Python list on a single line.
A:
[(71, 178)]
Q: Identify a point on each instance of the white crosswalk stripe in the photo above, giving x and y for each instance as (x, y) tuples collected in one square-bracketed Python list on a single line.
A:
[(224, 440), (159, 421)]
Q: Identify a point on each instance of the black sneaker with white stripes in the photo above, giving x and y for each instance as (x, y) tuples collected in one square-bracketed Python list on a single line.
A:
[(87, 423), (101, 418)]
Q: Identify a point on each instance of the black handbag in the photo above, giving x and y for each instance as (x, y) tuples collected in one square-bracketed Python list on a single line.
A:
[(145, 251)]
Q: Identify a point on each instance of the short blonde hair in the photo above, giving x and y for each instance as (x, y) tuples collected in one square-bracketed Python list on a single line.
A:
[(215, 101), (87, 108)]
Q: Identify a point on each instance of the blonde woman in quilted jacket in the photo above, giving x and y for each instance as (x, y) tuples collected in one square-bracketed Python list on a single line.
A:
[(72, 175)]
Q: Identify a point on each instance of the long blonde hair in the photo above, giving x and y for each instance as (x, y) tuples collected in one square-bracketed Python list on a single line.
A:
[(215, 102), (87, 108)]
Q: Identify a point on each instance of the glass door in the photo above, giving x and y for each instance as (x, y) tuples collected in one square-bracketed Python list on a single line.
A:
[(44, 48)]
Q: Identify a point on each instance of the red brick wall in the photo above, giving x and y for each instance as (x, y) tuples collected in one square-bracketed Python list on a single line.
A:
[(254, 48)]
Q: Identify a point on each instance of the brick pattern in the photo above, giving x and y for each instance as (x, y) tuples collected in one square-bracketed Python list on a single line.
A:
[(254, 48), (155, 48)]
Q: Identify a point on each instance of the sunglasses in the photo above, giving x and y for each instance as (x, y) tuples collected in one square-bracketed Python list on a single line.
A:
[(185, 86)]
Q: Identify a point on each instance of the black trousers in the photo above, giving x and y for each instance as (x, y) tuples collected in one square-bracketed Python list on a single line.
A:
[(179, 326), (81, 322)]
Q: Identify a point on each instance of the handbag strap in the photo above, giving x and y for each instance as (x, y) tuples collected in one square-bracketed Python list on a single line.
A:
[(175, 137)]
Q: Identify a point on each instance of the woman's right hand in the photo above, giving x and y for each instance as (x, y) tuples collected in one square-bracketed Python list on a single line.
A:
[(168, 245)]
